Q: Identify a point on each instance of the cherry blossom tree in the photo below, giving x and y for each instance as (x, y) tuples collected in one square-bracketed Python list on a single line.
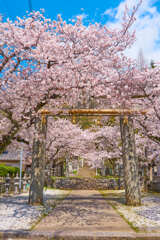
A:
[(64, 137), (102, 145), (148, 97), (54, 64)]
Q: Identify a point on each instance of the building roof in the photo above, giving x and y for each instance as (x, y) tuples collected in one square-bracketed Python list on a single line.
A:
[(15, 157), (10, 156)]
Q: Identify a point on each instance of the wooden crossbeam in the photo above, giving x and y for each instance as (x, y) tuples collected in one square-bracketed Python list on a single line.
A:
[(93, 112), (116, 112)]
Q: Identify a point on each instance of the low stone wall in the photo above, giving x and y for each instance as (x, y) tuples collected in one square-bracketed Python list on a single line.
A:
[(87, 183)]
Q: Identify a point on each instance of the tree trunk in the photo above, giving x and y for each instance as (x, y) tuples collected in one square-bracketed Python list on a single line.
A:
[(38, 162), (146, 179), (130, 162), (150, 174)]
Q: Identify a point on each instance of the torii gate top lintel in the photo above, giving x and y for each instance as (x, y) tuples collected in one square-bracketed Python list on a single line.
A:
[(93, 112)]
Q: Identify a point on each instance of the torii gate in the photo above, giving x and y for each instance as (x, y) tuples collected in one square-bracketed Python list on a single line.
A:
[(130, 161)]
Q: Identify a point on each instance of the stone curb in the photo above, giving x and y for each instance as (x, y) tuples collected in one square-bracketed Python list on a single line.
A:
[(78, 235)]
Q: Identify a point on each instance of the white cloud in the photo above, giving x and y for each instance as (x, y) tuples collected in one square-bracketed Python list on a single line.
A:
[(111, 12), (147, 28)]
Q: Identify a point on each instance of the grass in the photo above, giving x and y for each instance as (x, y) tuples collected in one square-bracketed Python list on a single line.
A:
[(77, 176), (55, 178), (106, 177)]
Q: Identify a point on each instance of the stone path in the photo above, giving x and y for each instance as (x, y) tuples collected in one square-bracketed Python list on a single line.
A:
[(82, 211), (81, 215)]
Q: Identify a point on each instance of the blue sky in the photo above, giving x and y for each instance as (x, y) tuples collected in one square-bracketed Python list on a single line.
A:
[(68, 9), (105, 11)]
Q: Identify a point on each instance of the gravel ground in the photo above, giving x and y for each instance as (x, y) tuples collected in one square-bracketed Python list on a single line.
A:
[(16, 214), (145, 217)]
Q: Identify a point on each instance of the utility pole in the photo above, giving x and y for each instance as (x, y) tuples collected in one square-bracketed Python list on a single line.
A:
[(30, 5), (20, 175)]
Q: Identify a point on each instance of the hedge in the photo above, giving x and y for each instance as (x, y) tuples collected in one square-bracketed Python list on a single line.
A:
[(4, 170)]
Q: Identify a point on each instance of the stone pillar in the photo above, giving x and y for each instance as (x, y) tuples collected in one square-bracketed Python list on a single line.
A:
[(130, 162), (7, 183), (24, 181), (16, 184), (38, 161)]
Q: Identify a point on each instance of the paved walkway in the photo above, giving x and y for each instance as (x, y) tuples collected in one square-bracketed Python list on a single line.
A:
[(83, 213)]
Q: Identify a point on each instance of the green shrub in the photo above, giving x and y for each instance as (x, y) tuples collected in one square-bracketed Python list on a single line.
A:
[(4, 170), (74, 172)]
